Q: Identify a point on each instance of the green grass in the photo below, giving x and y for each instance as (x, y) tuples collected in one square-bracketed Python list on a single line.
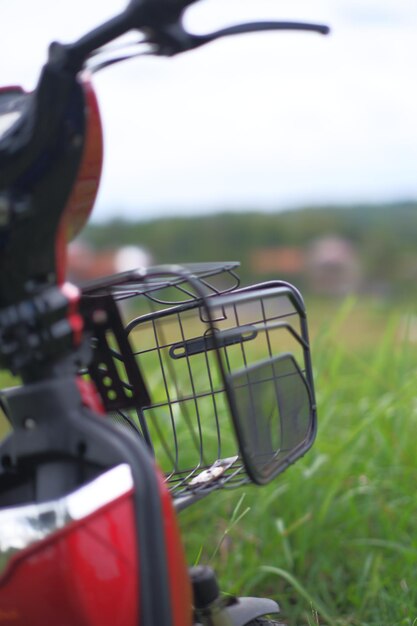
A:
[(334, 539), (6, 381)]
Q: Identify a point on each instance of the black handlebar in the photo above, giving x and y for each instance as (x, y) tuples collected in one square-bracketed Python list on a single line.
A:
[(161, 22), (39, 160), (176, 39)]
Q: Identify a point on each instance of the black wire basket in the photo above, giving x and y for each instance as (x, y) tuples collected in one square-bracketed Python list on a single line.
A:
[(216, 379)]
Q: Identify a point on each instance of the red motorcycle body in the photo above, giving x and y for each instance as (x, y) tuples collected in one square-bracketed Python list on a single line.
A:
[(86, 574), (83, 576)]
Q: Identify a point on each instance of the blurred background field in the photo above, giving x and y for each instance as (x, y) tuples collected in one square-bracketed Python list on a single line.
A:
[(328, 251), (333, 539)]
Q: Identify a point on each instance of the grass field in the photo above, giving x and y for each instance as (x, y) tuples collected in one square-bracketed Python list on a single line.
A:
[(334, 539)]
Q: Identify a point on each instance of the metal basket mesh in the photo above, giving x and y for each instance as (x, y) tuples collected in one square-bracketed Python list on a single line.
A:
[(228, 379)]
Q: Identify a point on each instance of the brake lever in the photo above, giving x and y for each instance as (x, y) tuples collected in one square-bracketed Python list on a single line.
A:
[(173, 39)]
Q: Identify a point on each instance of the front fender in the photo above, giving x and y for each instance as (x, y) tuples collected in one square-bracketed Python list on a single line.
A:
[(243, 611)]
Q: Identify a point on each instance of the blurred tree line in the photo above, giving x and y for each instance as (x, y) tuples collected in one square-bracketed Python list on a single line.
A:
[(383, 237)]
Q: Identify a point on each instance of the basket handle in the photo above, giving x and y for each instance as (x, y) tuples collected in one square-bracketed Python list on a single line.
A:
[(221, 339)]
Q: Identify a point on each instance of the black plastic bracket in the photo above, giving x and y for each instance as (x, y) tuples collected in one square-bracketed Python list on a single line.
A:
[(103, 320)]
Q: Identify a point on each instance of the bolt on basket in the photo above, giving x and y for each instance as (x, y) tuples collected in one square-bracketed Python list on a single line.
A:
[(223, 390)]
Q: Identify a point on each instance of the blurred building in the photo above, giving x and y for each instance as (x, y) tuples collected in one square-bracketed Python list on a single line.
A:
[(85, 263), (284, 259), (333, 267), (329, 266)]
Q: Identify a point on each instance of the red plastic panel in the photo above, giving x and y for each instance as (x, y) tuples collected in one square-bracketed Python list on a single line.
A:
[(180, 586), (82, 198), (86, 575)]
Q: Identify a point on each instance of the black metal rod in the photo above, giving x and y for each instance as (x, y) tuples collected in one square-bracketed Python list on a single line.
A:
[(103, 34), (251, 27)]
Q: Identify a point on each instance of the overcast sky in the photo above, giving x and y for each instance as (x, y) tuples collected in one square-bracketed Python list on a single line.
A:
[(260, 121)]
